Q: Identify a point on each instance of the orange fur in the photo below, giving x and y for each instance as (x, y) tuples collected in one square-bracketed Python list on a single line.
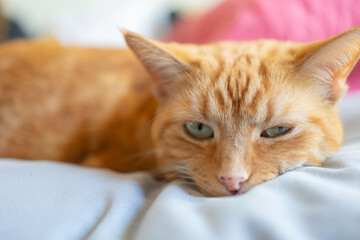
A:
[(101, 107)]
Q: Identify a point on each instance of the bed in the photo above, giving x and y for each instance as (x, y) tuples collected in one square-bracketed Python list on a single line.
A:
[(48, 200)]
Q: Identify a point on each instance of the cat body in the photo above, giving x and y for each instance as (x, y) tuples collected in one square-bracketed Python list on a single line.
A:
[(227, 115), (74, 104)]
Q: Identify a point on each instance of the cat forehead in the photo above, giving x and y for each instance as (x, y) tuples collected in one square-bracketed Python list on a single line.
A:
[(248, 88), (243, 82), (241, 103), (257, 61)]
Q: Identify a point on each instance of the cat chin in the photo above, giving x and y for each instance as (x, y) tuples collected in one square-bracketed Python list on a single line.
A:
[(221, 191)]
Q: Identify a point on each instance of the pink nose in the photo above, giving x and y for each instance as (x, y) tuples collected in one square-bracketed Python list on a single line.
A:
[(233, 183)]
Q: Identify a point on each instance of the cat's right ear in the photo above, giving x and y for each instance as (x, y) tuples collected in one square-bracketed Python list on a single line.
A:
[(159, 61)]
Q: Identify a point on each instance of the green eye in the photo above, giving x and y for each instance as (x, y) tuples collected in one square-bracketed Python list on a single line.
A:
[(199, 131), (275, 131)]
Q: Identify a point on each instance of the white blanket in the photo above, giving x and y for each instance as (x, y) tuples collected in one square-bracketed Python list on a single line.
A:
[(47, 200)]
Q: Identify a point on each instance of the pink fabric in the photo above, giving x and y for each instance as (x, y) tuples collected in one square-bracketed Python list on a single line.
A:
[(295, 20)]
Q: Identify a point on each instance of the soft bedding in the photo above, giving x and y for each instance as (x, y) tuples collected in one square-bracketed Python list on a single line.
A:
[(48, 200)]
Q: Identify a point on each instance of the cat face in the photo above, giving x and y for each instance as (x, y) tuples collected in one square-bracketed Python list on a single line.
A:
[(234, 115)]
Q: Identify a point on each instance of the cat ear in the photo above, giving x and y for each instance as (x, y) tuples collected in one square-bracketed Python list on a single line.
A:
[(329, 62), (159, 61)]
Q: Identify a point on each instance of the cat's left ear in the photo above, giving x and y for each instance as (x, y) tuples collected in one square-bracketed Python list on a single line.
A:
[(164, 65), (329, 62)]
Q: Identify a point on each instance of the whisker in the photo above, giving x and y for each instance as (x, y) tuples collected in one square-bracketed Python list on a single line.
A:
[(189, 183), (177, 171)]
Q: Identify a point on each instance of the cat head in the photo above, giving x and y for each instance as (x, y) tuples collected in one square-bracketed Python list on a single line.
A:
[(232, 115)]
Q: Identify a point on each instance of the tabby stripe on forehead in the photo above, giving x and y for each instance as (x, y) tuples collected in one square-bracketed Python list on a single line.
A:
[(237, 62), (204, 105), (219, 98), (263, 72), (248, 59), (264, 75), (236, 99), (246, 87), (269, 111), (229, 88), (255, 101), (220, 68), (233, 85)]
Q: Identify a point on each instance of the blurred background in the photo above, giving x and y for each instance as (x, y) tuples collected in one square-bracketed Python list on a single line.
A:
[(96, 23)]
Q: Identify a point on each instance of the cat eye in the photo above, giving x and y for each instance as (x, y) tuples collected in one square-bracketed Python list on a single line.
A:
[(199, 131), (275, 132)]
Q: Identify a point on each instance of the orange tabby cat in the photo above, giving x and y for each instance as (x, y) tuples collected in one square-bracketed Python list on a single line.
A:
[(227, 115)]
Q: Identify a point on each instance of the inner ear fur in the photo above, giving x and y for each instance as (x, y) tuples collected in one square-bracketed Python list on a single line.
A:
[(329, 63), (164, 65)]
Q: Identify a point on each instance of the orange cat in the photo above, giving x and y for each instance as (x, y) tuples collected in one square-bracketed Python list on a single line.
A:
[(227, 115)]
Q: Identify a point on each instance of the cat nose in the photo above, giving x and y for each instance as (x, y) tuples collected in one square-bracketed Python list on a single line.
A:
[(233, 182)]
